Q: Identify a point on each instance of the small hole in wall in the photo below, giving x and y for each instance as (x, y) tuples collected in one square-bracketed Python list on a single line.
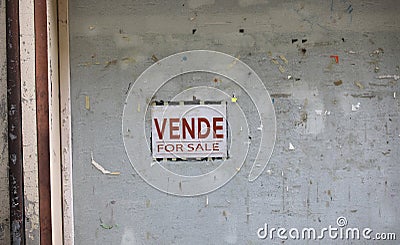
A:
[(303, 40), (241, 30), (194, 31), (295, 40)]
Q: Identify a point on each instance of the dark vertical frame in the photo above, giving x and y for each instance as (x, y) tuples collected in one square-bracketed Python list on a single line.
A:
[(16, 178)]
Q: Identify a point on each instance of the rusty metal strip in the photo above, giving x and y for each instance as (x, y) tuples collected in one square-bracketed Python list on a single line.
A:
[(16, 178), (42, 109)]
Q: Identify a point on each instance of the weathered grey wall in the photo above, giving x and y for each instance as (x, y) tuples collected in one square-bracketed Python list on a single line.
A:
[(4, 201), (344, 162)]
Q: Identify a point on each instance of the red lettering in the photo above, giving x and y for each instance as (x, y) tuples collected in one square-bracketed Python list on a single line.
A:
[(199, 146), (160, 132), (201, 120), (173, 128), (217, 127), (186, 127), (179, 147), (215, 147), (169, 147)]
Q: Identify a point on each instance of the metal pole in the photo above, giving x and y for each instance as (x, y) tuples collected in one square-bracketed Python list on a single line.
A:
[(16, 178)]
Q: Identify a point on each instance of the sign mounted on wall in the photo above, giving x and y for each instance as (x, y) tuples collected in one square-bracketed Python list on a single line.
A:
[(171, 130), (189, 131)]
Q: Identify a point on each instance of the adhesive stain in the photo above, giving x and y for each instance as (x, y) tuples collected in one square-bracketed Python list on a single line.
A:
[(338, 82), (154, 58)]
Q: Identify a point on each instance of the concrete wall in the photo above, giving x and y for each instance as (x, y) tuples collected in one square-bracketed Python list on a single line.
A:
[(4, 200), (337, 147)]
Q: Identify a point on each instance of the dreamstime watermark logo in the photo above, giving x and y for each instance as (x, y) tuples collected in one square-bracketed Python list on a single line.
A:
[(338, 231), (141, 95)]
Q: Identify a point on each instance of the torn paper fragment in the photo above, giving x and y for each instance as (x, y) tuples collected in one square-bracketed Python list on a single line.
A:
[(291, 147), (87, 102), (234, 99), (377, 52), (318, 112), (101, 168), (359, 85), (355, 107), (395, 77), (260, 128)]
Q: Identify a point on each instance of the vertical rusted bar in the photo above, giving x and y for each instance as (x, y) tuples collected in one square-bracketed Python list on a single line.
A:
[(16, 178), (42, 109)]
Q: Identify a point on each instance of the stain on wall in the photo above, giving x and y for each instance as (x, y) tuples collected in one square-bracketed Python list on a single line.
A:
[(332, 71)]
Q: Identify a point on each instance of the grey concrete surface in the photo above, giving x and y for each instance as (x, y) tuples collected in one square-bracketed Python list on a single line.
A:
[(344, 161)]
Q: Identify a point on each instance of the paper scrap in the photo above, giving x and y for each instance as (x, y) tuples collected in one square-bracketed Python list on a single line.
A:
[(105, 226), (395, 77), (377, 51), (335, 57), (101, 168), (87, 102), (359, 85), (355, 107), (234, 99), (291, 147)]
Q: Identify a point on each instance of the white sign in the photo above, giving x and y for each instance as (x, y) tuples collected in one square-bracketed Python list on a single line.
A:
[(189, 131)]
